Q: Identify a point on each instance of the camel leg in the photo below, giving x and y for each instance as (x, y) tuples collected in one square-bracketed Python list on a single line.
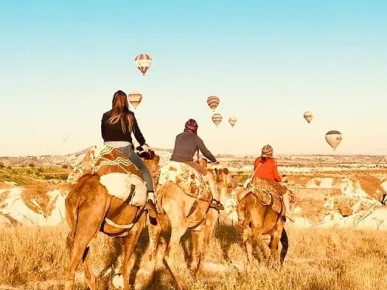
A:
[(206, 237), (258, 246), (246, 240), (154, 242), (275, 257), (79, 246), (84, 225), (196, 250), (130, 243), (177, 233), (155, 231), (90, 278)]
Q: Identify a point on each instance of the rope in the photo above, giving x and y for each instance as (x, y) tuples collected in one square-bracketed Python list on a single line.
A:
[(113, 224)]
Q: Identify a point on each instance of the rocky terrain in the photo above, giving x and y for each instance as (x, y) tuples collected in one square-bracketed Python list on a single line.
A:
[(334, 196), (330, 191)]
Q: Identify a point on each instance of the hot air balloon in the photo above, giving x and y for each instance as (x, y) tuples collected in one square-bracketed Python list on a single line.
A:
[(308, 115), (143, 62), (135, 99), (232, 121), (333, 138), (217, 119), (213, 102)]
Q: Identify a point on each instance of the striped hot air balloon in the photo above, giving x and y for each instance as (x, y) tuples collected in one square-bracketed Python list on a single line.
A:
[(333, 138), (217, 119), (143, 62), (232, 121), (308, 116), (135, 99), (213, 102)]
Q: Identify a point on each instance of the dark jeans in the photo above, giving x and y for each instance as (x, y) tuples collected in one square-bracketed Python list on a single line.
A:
[(128, 151)]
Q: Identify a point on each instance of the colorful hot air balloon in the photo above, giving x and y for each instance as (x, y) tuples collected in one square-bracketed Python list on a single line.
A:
[(333, 138), (232, 121), (135, 99), (213, 102), (308, 115), (217, 119), (143, 62)]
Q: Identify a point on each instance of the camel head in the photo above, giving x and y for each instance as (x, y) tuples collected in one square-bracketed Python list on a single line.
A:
[(224, 181), (223, 177), (151, 160)]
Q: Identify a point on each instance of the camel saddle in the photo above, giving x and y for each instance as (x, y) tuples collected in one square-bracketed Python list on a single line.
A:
[(268, 192), (190, 181), (121, 178)]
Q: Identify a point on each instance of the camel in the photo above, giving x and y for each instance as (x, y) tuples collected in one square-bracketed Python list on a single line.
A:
[(91, 209), (186, 212), (261, 212)]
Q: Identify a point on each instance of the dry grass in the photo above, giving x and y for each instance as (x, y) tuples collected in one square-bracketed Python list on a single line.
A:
[(323, 259)]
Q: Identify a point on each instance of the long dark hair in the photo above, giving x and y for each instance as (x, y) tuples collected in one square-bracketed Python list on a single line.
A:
[(120, 112)]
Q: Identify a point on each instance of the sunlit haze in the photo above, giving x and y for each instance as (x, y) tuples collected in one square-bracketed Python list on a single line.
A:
[(268, 61)]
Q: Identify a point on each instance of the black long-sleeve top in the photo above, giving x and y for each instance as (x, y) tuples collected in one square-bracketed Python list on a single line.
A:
[(186, 144), (113, 132)]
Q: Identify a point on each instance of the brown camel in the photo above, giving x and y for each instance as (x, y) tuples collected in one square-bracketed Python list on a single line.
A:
[(182, 212), (91, 209), (261, 212)]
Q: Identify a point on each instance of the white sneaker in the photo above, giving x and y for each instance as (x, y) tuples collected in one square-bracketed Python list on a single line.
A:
[(152, 197)]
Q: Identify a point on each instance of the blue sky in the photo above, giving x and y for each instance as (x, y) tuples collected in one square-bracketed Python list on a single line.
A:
[(268, 61)]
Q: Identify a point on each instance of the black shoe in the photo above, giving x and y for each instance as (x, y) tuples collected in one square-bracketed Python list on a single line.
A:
[(151, 208), (216, 204)]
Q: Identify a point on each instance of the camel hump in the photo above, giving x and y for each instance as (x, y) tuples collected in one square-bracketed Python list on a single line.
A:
[(270, 192), (126, 187), (270, 186), (190, 181)]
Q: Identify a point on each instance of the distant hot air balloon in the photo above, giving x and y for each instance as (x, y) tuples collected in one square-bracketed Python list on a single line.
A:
[(143, 62), (217, 119), (308, 115), (333, 138), (213, 102), (232, 121), (135, 99)]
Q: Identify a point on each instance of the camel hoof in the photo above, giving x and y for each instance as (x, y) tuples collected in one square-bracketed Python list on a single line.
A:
[(118, 281)]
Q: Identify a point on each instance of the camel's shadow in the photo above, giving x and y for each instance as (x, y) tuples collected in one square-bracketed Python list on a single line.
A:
[(227, 235)]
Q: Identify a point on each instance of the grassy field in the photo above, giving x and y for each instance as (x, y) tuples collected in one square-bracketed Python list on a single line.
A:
[(35, 258)]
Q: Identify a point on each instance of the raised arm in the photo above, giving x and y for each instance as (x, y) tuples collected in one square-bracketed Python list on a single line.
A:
[(137, 132), (205, 151)]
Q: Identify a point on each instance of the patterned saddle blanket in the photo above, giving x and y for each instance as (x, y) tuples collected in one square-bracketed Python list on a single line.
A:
[(116, 172), (187, 178), (268, 192)]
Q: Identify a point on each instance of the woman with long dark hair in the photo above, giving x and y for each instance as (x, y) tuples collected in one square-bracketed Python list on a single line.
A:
[(117, 125)]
